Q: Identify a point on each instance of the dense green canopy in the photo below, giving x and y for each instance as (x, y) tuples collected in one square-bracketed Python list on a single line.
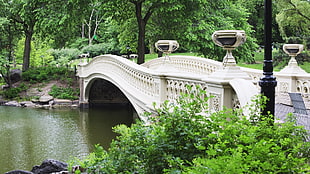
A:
[(137, 24)]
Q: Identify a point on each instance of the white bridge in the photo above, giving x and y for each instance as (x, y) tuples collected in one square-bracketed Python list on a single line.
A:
[(113, 79)]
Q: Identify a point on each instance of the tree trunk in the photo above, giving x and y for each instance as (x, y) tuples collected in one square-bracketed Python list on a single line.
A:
[(83, 31), (141, 36), (27, 49)]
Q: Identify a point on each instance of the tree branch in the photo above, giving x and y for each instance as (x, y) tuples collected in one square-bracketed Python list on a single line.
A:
[(298, 11)]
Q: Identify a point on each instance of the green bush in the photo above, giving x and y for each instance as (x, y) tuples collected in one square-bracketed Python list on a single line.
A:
[(68, 53), (11, 93), (64, 93), (99, 49), (14, 92), (183, 137), (46, 73)]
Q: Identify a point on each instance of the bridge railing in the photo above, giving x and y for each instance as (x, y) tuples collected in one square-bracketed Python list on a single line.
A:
[(190, 64), (286, 83)]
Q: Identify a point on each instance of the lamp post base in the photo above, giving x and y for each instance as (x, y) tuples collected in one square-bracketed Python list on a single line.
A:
[(268, 84)]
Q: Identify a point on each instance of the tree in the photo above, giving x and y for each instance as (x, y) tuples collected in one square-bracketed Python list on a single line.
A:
[(143, 11), (294, 18), (220, 15), (95, 19), (43, 17), (25, 13), (190, 22), (256, 8), (8, 39)]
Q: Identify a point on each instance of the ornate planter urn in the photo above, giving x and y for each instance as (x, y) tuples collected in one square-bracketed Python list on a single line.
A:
[(167, 47), (229, 40), (293, 50)]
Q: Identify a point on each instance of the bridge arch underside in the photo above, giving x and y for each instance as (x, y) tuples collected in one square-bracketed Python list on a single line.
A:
[(103, 93)]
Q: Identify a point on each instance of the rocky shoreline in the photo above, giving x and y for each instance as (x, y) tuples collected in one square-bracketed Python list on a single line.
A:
[(48, 166), (44, 102)]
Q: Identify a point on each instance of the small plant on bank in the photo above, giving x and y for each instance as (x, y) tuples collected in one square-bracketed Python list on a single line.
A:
[(13, 92), (64, 93), (184, 137), (42, 74)]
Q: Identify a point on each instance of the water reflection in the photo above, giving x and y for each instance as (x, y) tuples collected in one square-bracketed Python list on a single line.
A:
[(29, 136)]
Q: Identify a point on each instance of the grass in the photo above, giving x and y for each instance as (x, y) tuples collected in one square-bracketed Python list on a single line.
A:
[(306, 66), (259, 59)]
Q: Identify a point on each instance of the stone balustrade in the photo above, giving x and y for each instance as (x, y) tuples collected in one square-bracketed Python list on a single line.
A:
[(190, 64)]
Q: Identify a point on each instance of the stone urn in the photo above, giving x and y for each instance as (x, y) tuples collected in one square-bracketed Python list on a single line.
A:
[(167, 46), (229, 40), (293, 50)]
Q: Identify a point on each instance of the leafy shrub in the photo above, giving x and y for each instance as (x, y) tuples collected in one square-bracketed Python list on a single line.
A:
[(99, 49), (11, 93), (64, 93), (68, 53), (45, 73), (184, 137), (14, 92), (79, 43)]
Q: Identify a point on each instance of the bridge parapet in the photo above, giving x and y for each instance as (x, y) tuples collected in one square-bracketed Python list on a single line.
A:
[(287, 83), (190, 64)]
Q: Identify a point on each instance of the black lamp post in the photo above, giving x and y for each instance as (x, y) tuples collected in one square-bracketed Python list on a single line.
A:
[(268, 81)]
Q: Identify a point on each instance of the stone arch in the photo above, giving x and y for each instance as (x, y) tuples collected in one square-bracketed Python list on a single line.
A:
[(108, 81), (104, 93)]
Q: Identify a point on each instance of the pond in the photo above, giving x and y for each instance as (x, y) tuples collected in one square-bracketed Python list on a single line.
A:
[(29, 136)]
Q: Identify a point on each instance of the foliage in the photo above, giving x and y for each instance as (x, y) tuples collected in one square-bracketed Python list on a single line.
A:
[(184, 137), (99, 49), (13, 92), (46, 73), (255, 8), (78, 43), (40, 55), (293, 17), (224, 16), (64, 92), (65, 53), (5, 69)]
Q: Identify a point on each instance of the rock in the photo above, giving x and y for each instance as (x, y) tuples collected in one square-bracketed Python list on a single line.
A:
[(18, 172), (34, 100), (62, 102), (12, 103), (45, 106), (45, 98), (50, 166), (27, 104), (15, 75)]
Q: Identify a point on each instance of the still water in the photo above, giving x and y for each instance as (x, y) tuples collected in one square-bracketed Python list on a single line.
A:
[(29, 136)]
